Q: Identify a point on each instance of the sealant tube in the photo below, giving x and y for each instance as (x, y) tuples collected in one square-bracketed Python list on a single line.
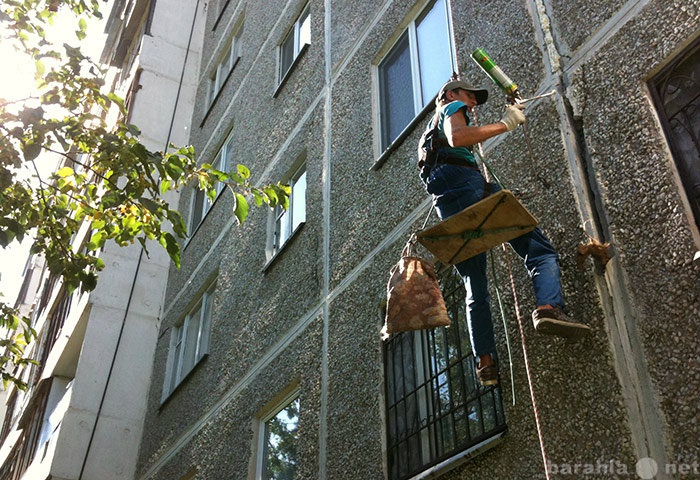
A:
[(496, 74)]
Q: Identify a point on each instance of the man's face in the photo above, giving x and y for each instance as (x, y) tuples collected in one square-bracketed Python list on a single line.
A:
[(464, 96)]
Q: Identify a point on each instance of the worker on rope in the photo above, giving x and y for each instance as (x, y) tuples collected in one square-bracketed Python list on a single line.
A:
[(450, 174)]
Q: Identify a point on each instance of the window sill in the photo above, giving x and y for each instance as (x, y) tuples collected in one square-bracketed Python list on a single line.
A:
[(288, 73), (218, 94), (166, 399), (282, 248), (221, 14), (191, 235), (456, 460)]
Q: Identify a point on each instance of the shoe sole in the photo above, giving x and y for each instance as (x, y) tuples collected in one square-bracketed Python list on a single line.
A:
[(550, 326), (488, 376), (488, 383)]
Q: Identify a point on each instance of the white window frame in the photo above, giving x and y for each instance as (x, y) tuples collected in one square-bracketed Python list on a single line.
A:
[(286, 222), (225, 65), (300, 36), (262, 430), (200, 203), (420, 102), (194, 331)]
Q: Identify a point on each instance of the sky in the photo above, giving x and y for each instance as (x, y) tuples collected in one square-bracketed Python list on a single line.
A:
[(17, 82)]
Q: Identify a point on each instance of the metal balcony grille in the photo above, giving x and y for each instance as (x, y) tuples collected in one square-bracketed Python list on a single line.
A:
[(435, 406)]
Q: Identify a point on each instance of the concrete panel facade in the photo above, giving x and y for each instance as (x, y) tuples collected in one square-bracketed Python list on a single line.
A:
[(309, 318)]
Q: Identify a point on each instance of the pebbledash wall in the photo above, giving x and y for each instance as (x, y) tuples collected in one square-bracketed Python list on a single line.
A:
[(304, 319)]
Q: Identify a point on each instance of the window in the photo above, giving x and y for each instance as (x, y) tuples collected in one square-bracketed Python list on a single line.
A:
[(278, 443), (189, 342), (414, 70), (200, 203), (225, 65), (287, 221), (676, 93), (33, 429), (435, 408), (298, 37)]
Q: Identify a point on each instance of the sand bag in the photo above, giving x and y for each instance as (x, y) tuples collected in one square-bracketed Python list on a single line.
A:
[(414, 298)]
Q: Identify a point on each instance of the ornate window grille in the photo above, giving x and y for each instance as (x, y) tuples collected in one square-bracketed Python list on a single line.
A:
[(676, 94)]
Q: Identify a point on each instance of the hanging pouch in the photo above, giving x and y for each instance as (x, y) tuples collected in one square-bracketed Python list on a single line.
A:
[(414, 298)]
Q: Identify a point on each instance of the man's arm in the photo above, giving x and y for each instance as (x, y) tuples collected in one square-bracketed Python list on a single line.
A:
[(459, 134)]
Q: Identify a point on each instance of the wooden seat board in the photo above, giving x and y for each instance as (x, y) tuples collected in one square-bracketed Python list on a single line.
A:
[(496, 219)]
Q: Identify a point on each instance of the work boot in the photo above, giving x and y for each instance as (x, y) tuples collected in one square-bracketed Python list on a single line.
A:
[(551, 320), (488, 374)]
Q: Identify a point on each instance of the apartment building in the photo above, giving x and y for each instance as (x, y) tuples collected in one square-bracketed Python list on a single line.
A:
[(83, 413), (269, 362), (261, 356)]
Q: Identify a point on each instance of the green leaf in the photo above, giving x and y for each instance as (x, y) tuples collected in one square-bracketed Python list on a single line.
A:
[(31, 150), (164, 186), (178, 223), (97, 240), (88, 281), (171, 246), (150, 205), (112, 199), (65, 172), (243, 171), (241, 208), (258, 198), (40, 69)]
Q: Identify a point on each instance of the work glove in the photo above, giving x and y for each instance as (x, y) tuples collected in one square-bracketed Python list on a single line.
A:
[(514, 116)]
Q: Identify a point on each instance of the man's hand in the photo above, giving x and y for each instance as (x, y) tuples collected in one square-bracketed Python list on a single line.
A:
[(514, 116)]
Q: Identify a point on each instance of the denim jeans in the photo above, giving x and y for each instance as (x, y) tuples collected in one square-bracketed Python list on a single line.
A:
[(454, 188)]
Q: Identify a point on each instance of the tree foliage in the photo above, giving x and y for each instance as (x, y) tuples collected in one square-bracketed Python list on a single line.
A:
[(108, 180), (281, 444)]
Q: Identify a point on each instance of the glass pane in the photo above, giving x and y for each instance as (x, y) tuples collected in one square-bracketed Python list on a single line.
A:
[(227, 164), (204, 331), (191, 340), (197, 209), (212, 89), (304, 30), (174, 379), (434, 52), (225, 65), (298, 202), (396, 91), (283, 227), (235, 47), (281, 443), (220, 164), (286, 54)]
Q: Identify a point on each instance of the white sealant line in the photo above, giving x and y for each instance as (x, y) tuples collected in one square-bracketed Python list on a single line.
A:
[(603, 35), (646, 424), (326, 232)]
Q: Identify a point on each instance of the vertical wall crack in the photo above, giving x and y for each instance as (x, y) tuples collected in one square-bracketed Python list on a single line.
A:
[(646, 423)]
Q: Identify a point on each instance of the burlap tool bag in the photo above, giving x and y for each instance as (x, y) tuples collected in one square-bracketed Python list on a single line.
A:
[(414, 298)]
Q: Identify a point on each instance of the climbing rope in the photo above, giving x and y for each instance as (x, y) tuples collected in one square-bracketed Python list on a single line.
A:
[(505, 324), (527, 363), (518, 316)]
